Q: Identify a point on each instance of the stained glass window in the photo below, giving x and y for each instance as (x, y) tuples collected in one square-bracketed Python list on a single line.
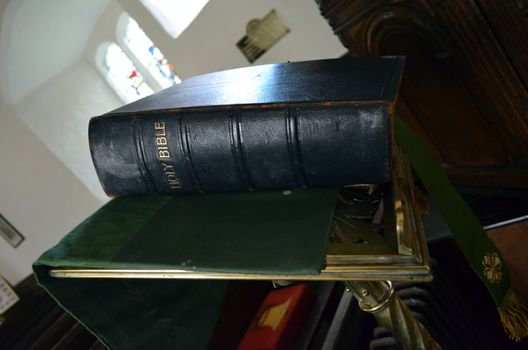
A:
[(134, 66), (149, 55), (123, 75)]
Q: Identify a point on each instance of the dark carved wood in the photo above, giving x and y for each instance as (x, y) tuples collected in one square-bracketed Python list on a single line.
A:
[(465, 88), (37, 322)]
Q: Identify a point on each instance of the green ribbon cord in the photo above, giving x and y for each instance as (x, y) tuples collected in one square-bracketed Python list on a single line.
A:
[(481, 253)]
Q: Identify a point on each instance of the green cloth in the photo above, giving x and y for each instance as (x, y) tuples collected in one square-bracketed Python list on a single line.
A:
[(257, 232), (141, 313), (270, 232), (467, 231)]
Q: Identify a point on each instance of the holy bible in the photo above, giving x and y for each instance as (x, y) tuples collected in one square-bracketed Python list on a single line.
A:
[(279, 126)]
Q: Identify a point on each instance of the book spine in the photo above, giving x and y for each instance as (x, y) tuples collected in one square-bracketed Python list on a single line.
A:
[(241, 149)]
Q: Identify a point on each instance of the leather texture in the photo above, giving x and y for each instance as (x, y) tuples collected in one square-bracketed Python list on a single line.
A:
[(356, 79), (295, 125)]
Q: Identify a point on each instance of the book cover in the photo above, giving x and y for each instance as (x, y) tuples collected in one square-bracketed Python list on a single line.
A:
[(280, 126)]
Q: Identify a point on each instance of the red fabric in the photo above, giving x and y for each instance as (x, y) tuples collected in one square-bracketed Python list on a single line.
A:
[(279, 319)]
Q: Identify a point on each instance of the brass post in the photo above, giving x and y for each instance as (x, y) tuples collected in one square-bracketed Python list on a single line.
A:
[(378, 298)]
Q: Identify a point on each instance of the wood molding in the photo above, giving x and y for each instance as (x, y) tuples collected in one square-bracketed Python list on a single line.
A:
[(465, 85)]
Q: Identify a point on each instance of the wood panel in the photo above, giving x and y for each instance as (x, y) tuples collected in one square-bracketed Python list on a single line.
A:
[(464, 89), (509, 22), (38, 322)]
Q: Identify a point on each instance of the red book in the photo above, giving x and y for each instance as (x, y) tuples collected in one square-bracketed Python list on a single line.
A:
[(279, 319)]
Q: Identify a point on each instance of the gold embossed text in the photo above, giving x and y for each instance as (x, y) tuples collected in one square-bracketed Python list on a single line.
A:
[(161, 140)]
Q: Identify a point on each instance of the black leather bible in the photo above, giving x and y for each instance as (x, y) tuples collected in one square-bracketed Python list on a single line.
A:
[(279, 126)]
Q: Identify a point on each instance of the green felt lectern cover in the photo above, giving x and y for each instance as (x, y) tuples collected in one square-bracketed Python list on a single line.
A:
[(271, 232)]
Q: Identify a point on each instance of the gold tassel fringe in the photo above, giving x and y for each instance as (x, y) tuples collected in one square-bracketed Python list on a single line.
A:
[(514, 316)]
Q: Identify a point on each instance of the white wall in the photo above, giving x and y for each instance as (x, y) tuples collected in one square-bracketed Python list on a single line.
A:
[(38, 195), (47, 81), (40, 38), (58, 114), (209, 43), (48, 93)]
